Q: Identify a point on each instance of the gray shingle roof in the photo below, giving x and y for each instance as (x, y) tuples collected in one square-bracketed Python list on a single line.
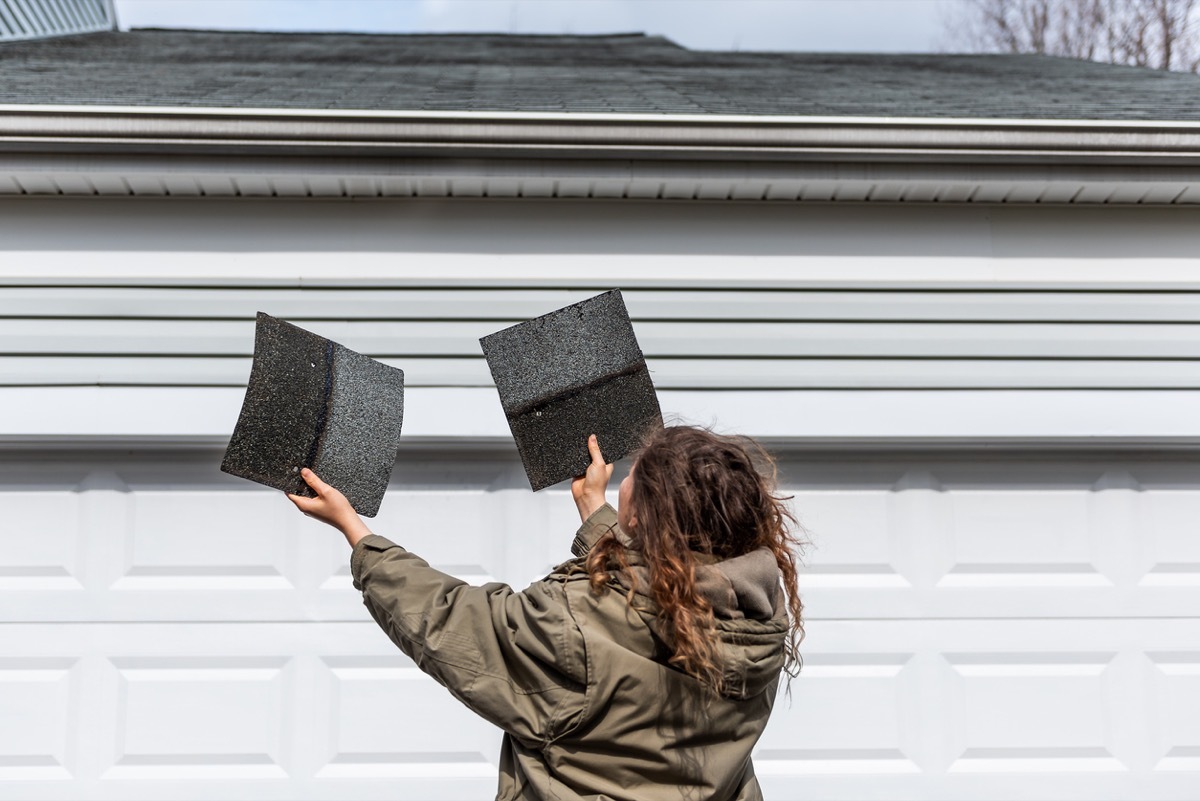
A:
[(620, 73)]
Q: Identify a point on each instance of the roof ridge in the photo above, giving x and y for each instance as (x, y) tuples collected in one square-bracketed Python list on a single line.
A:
[(407, 35)]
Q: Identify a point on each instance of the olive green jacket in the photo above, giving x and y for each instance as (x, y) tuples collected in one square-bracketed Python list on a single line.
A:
[(580, 682)]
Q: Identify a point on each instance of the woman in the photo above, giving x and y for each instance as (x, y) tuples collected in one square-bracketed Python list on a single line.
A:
[(643, 669)]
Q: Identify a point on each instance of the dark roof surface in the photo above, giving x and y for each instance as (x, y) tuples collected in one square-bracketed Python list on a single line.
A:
[(607, 74)]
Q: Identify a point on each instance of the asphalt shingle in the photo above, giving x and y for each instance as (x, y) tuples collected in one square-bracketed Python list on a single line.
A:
[(631, 73), (566, 375), (312, 402)]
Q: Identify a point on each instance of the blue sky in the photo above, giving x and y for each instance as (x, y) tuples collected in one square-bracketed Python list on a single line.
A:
[(811, 25)]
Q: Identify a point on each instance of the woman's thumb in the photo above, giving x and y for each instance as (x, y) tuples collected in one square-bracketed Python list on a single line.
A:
[(594, 450)]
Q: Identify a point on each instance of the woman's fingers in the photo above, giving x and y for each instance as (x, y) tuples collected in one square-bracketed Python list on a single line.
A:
[(311, 505), (303, 504), (597, 456), (598, 471), (594, 450), (314, 481), (326, 495), (330, 506), (588, 489)]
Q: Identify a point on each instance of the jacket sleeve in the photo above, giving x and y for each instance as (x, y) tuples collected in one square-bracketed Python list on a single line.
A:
[(601, 521), (515, 658)]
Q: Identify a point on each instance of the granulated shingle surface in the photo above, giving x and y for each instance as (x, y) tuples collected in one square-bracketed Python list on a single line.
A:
[(565, 375), (279, 422), (363, 431), (552, 437), (560, 351), (620, 74), (314, 403)]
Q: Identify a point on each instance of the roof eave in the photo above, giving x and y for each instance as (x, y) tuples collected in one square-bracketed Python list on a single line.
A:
[(112, 150)]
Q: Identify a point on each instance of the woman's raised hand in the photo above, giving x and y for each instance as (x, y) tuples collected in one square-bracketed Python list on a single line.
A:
[(330, 506), (588, 490)]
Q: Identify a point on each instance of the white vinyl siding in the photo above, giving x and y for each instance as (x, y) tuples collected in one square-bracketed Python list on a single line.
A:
[(134, 293), (706, 351)]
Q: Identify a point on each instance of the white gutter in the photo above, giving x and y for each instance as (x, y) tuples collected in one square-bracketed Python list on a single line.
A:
[(564, 116), (483, 134)]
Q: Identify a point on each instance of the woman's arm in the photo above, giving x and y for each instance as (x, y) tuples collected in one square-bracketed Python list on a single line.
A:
[(515, 658)]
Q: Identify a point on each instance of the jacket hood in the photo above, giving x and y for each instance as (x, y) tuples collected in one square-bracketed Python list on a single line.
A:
[(751, 617)]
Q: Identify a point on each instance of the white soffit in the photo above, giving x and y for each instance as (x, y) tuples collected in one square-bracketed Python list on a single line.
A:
[(199, 152)]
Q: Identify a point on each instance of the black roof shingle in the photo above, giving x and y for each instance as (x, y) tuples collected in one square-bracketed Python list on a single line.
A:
[(631, 74)]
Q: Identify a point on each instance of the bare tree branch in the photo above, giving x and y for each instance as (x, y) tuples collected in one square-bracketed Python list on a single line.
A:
[(1163, 34)]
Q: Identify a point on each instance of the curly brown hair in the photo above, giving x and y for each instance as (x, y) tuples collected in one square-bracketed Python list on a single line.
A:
[(695, 492)]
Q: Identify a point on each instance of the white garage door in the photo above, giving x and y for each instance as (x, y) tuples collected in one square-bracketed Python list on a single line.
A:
[(981, 626)]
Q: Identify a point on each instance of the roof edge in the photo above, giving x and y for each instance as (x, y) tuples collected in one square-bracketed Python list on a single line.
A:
[(552, 135), (404, 34), (564, 116)]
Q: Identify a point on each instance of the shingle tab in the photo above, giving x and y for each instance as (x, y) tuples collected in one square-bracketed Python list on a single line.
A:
[(615, 74), (314, 403), (568, 374)]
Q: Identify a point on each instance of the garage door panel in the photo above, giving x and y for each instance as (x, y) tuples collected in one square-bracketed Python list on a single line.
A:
[(852, 538), (42, 694), (207, 710), (996, 537), (1032, 712), (457, 532), (202, 717), (175, 539), (333, 710), (171, 538), (977, 787), (847, 715), (989, 527), (380, 711), (209, 539), (998, 602), (1175, 689), (43, 552), (1064, 706), (953, 653), (1171, 538)]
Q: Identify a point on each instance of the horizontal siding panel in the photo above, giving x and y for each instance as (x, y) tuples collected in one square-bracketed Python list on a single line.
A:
[(802, 338), (100, 293), (677, 339), (667, 373), (521, 304)]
